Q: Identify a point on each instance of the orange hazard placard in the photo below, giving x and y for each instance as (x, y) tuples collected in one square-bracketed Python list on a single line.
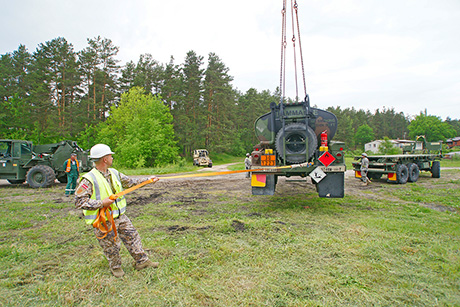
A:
[(268, 160)]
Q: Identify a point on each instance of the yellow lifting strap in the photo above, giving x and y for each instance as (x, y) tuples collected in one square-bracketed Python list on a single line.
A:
[(106, 214), (268, 169), (102, 215)]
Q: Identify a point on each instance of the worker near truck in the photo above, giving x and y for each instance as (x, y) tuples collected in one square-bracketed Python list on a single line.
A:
[(248, 164), (93, 194), (364, 168), (72, 169)]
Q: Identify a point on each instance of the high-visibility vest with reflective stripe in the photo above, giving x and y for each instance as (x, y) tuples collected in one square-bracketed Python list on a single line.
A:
[(102, 190), (68, 167)]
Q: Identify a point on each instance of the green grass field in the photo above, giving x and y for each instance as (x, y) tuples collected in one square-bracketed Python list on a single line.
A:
[(221, 247)]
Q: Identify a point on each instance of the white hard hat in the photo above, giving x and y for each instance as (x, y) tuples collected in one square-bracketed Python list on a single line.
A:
[(364, 154), (247, 155), (100, 150)]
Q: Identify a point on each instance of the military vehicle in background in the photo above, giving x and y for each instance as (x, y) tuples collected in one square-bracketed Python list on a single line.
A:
[(418, 156), (201, 158), (39, 165), (293, 134)]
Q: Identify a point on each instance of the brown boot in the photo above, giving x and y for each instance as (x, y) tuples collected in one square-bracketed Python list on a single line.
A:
[(146, 264), (117, 272)]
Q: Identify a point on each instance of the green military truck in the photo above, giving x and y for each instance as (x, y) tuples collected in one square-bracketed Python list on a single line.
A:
[(39, 165), (296, 140), (418, 156)]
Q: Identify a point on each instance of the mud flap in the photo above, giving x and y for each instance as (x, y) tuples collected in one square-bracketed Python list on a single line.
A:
[(268, 189), (331, 186)]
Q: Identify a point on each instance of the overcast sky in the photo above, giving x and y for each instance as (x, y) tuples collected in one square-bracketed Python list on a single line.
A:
[(366, 54)]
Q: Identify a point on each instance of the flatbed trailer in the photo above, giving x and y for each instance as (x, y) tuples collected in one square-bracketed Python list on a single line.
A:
[(400, 168)]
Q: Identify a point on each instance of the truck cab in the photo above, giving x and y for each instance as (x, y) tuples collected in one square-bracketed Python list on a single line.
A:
[(14, 154), (40, 165)]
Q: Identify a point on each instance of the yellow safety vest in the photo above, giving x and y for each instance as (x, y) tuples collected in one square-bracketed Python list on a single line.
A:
[(67, 170), (102, 190)]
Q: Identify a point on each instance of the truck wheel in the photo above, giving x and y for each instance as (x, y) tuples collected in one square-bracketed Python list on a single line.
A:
[(436, 169), (210, 165), (40, 176), (402, 173), (14, 181), (414, 172), (297, 135)]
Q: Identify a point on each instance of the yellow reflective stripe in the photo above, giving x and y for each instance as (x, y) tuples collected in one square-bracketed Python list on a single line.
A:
[(101, 190)]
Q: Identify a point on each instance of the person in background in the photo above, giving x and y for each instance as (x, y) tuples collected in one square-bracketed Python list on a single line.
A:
[(364, 168), (248, 164), (72, 169)]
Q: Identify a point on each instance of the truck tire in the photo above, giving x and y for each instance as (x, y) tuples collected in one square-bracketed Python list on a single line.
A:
[(436, 169), (414, 172), (402, 173), (299, 134), (40, 176)]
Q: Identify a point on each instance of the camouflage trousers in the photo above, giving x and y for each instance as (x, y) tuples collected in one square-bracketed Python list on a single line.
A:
[(130, 237), (248, 174), (364, 175)]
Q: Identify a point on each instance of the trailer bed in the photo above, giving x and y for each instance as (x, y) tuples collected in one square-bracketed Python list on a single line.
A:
[(400, 168)]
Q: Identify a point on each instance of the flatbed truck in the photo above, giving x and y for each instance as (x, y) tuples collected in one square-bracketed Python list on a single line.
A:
[(406, 167)]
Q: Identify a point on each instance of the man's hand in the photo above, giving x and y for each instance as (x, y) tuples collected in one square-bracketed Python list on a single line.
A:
[(106, 202)]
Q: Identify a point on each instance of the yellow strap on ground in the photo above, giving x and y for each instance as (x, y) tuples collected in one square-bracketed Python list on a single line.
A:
[(115, 196)]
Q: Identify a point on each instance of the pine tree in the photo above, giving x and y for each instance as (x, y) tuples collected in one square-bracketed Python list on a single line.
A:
[(219, 100), (99, 69), (189, 111), (172, 84), (14, 93)]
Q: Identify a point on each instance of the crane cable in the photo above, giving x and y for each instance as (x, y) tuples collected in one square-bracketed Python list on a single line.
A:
[(295, 59), (296, 8), (283, 52), (294, 21)]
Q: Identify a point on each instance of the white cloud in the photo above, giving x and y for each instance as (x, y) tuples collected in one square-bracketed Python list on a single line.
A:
[(361, 53)]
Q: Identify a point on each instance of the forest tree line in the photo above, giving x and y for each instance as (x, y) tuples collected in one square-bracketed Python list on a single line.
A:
[(57, 93)]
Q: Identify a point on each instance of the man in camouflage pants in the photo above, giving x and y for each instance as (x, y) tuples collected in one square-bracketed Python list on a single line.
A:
[(92, 194), (364, 168), (248, 164)]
